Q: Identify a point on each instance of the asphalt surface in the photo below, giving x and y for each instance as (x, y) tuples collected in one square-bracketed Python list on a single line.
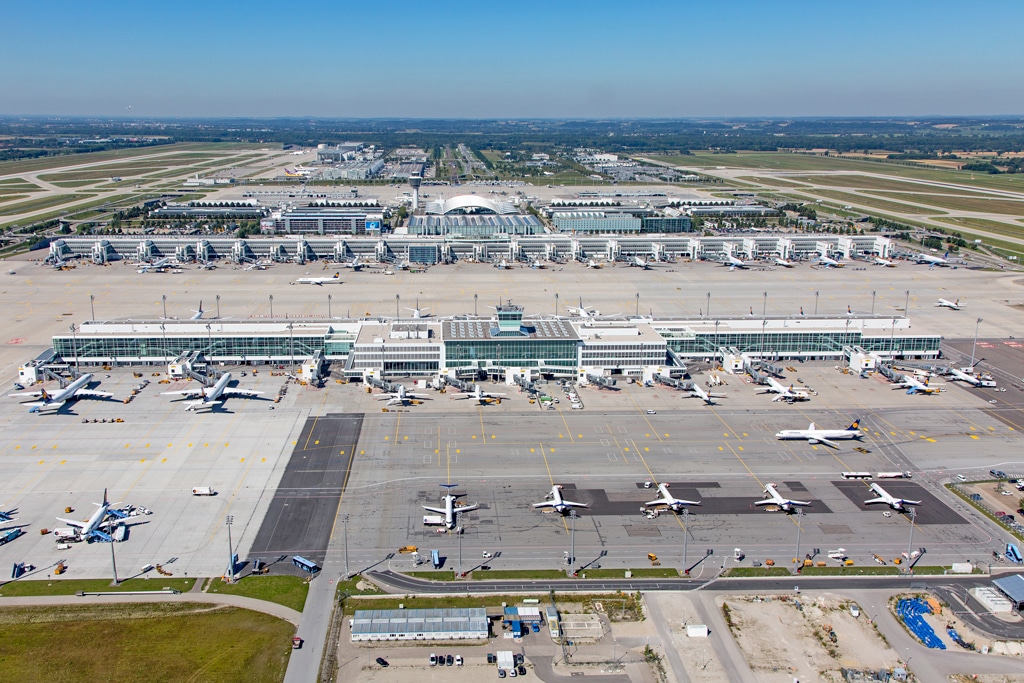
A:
[(931, 510), (305, 505)]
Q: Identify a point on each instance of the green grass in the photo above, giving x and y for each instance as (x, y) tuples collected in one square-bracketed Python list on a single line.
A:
[(958, 223), (881, 184), (142, 643), (866, 570), (518, 574), (289, 591), (351, 587), (758, 571), (100, 173), (429, 602), (13, 197), (642, 573), (69, 210), (442, 575), (44, 203), (1007, 206), (873, 202), (72, 586)]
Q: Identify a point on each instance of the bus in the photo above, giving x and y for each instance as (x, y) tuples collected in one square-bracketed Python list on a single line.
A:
[(856, 475)]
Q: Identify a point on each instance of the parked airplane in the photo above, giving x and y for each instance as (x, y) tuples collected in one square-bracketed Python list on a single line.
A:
[(583, 311), (890, 500), (733, 263), (156, 266), (879, 261), (788, 394), (8, 515), (503, 264), (669, 501), (557, 503), (775, 498), (75, 390), (400, 397), (697, 391), (916, 386), (59, 263), (418, 312), (826, 436), (319, 281), (591, 263), (212, 396), (785, 263), (640, 262), (952, 305), (97, 528), (932, 260), (450, 509), (537, 264), (198, 314), (966, 375), (259, 265), (829, 262), (480, 395)]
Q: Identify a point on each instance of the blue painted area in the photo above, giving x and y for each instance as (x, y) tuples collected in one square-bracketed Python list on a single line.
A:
[(911, 613)]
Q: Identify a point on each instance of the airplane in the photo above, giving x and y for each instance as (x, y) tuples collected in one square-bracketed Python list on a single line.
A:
[(319, 281), (8, 515), (952, 305), (785, 263), (211, 396), (591, 263), (890, 500), (400, 397), (916, 386), (450, 509), (640, 262), (75, 390), (932, 260), (156, 266), (480, 395), (537, 264), (91, 530), (733, 263), (788, 394), (879, 261), (418, 312), (775, 498), (829, 262), (355, 264), (826, 436), (502, 265), (668, 500), (557, 503), (582, 311), (966, 376), (59, 263), (696, 391), (259, 265), (198, 314)]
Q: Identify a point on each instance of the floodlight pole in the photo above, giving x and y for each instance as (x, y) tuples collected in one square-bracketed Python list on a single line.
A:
[(231, 554), (328, 306), (164, 296), (873, 302), (572, 541), (74, 340), (556, 303), (92, 306), (397, 298), (707, 311), (910, 542), (114, 563), (799, 525), (764, 306), (474, 305), (816, 293), (638, 304), (344, 526), (686, 533), (163, 331), (906, 306), (291, 344), (271, 306), (975, 346), (218, 307), (458, 532)]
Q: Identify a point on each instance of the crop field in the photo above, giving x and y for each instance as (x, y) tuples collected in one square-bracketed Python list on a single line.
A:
[(1007, 206), (143, 642)]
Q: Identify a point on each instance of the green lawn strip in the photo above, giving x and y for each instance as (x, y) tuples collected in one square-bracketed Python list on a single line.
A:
[(757, 571), (497, 574), (44, 203), (461, 601), (101, 173), (443, 575), (881, 185), (289, 591), (144, 642), (872, 202), (993, 205), (72, 586), (866, 570), (13, 197), (642, 573)]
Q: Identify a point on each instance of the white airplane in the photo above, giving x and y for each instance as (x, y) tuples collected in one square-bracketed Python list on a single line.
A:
[(952, 305), (355, 264), (707, 396), (198, 314), (418, 312), (320, 281), (92, 530), (826, 436), (640, 262), (733, 263), (583, 311), (155, 266), (259, 265), (932, 260), (75, 390), (668, 500), (557, 503), (775, 498), (916, 386), (890, 500), (400, 397), (829, 262), (788, 394), (966, 375), (212, 396), (537, 264), (502, 265), (879, 261), (591, 263), (785, 263), (450, 509), (480, 395), (58, 263)]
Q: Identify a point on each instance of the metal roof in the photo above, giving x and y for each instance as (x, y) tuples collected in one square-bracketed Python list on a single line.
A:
[(1012, 586)]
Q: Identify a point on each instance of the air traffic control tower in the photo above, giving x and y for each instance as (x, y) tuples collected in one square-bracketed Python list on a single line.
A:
[(415, 180)]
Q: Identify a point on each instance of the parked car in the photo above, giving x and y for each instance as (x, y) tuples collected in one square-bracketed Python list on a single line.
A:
[(961, 478), (501, 673), (382, 662), (458, 660), (449, 660), (517, 658), (491, 658), (433, 660), (522, 670), (652, 412), (998, 474)]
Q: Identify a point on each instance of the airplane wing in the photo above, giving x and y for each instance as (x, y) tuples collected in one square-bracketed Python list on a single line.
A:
[(71, 522), (440, 511), (832, 444), (464, 395), (466, 508), (240, 392), (41, 405), (660, 501), (575, 505), (911, 502), (876, 500), (187, 393), (493, 395), (195, 405), (767, 502), (418, 395), (26, 394), (89, 393), (544, 504)]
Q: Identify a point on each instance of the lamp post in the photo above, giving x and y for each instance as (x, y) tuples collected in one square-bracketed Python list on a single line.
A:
[(164, 296), (271, 306), (163, 331), (975, 346), (209, 341), (92, 307), (799, 524), (764, 306), (344, 527), (556, 303), (74, 344), (764, 324), (686, 534), (291, 345), (892, 339), (572, 541), (231, 549), (910, 542), (458, 532), (328, 306), (872, 302), (113, 562), (397, 299), (638, 304), (707, 311), (474, 305), (906, 306), (816, 293), (218, 307)]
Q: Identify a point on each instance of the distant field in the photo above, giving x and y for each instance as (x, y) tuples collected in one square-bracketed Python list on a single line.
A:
[(1007, 206), (11, 167), (873, 183), (771, 181), (289, 591), (1007, 229), (880, 204), (44, 203), (143, 643), (94, 174), (12, 198)]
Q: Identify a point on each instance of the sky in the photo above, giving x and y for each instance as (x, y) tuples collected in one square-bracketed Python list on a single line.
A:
[(512, 59)]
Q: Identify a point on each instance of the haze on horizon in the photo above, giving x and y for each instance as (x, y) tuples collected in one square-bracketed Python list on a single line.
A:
[(512, 60)]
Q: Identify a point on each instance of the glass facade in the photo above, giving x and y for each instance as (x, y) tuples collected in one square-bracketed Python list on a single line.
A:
[(150, 349), (512, 352), (793, 343)]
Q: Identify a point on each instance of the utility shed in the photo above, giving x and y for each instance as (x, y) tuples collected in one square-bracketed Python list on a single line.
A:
[(468, 623)]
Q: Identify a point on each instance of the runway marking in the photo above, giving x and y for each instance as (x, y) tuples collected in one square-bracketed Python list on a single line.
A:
[(561, 414)]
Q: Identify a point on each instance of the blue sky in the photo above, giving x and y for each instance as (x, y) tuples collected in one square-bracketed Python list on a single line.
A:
[(512, 59)]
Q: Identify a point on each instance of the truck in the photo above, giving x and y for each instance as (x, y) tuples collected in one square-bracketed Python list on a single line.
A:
[(203, 491), (894, 475), (433, 520), (9, 536), (65, 534)]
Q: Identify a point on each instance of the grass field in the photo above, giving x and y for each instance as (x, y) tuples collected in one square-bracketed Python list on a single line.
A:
[(102, 173), (758, 571), (11, 167), (1007, 206), (882, 205), (289, 591), (773, 182), (519, 574), (72, 586), (872, 570), (44, 203), (642, 573), (71, 210), (13, 197), (984, 224), (143, 643), (861, 182)]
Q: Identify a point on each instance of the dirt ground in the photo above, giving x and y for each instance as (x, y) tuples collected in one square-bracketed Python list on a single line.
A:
[(697, 654), (987, 678), (991, 496), (784, 639)]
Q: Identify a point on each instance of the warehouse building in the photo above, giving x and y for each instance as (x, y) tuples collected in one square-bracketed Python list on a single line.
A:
[(468, 623)]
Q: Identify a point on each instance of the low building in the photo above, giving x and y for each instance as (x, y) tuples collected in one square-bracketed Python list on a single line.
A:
[(1012, 587), (469, 623)]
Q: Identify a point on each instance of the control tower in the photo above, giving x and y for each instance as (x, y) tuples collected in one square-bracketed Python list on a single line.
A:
[(414, 181)]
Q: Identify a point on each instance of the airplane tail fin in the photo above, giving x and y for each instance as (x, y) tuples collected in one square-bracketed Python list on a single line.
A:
[(44, 395), (855, 426), (810, 427)]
